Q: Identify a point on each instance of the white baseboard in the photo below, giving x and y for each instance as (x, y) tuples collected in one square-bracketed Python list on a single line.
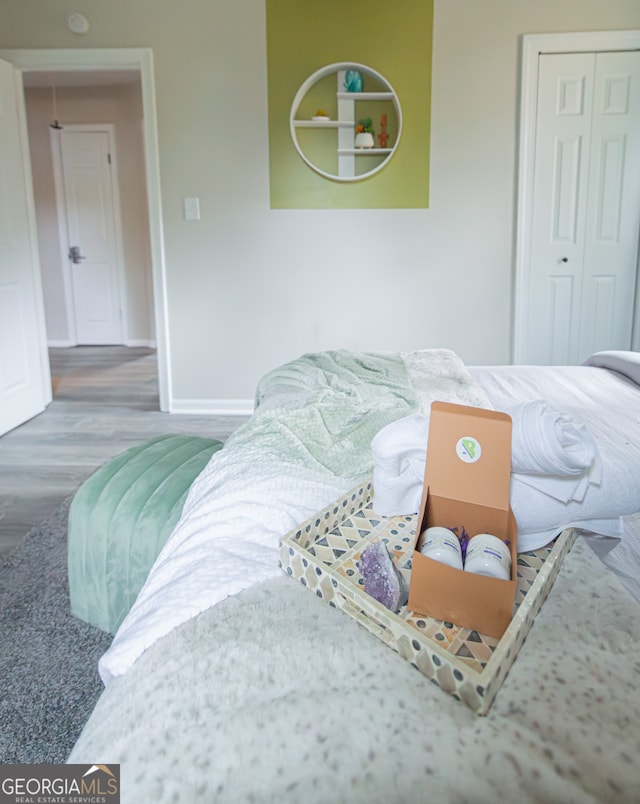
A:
[(55, 344), (141, 342), (213, 407)]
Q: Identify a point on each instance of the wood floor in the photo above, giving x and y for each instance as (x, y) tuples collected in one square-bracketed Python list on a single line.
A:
[(105, 399)]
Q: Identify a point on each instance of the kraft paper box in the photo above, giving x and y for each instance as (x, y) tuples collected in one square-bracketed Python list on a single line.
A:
[(466, 485)]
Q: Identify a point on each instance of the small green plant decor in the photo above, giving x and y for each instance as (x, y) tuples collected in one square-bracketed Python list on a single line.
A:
[(364, 133)]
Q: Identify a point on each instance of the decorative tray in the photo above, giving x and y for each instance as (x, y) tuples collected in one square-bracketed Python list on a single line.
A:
[(323, 553)]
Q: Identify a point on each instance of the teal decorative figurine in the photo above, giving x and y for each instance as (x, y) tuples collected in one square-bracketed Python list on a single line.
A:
[(353, 81)]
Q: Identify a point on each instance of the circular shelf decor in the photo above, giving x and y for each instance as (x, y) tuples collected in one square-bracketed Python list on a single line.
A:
[(360, 96)]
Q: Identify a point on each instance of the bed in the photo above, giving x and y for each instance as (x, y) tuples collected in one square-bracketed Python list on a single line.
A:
[(229, 681)]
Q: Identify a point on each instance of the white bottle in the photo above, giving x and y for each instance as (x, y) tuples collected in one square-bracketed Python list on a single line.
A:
[(442, 545), (488, 555)]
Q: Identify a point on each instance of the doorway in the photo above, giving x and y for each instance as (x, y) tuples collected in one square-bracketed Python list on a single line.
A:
[(579, 200), (91, 66)]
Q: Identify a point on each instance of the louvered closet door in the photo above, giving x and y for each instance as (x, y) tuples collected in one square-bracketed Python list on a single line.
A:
[(586, 212)]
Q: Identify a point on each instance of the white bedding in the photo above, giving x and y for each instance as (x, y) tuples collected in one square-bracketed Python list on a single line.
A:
[(277, 470), (605, 396), (308, 442), (274, 696)]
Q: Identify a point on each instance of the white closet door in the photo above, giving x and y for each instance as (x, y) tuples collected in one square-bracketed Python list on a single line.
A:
[(563, 143), (613, 206), (586, 208)]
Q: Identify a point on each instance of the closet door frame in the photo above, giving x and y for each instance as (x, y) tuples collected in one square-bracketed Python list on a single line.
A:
[(534, 46)]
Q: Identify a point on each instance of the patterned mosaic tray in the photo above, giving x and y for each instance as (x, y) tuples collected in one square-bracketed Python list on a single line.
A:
[(323, 553)]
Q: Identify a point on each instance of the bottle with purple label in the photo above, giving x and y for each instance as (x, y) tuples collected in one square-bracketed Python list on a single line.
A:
[(488, 555), (442, 545)]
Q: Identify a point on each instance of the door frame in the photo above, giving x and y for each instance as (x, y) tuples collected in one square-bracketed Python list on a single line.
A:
[(534, 46), (63, 230), (141, 60)]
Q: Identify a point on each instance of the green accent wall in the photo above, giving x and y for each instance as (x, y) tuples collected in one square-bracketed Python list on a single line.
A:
[(392, 38)]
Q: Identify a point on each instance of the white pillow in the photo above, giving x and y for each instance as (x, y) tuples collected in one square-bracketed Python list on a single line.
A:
[(626, 363)]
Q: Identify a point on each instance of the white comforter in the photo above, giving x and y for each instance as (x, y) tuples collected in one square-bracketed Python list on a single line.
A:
[(307, 444), (608, 403), (273, 696), (575, 453), (310, 441)]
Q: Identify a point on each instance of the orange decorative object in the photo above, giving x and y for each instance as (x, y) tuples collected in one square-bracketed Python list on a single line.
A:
[(383, 137)]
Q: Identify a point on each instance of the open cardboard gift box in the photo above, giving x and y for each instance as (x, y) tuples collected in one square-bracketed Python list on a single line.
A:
[(466, 488)]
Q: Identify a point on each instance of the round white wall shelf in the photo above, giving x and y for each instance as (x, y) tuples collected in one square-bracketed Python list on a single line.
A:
[(345, 122)]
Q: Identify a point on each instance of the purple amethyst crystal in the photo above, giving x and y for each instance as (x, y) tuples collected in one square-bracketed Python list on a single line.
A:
[(463, 538), (382, 580)]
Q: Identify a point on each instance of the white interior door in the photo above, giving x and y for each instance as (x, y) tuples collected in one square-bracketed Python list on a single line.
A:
[(92, 235), (25, 389), (613, 206), (586, 206)]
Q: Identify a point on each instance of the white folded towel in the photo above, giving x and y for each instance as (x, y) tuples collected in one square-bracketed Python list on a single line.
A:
[(565, 489), (399, 458), (552, 453)]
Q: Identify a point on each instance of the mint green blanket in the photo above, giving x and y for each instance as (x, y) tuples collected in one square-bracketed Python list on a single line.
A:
[(326, 407)]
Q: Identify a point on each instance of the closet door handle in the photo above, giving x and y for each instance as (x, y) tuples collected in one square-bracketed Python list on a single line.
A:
[(564, 259)]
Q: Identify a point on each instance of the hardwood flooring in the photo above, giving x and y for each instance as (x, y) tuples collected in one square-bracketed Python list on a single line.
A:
[(105, 399)]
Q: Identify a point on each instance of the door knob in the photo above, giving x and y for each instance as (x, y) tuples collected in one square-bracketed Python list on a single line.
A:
[(75, 256), (564, 259)]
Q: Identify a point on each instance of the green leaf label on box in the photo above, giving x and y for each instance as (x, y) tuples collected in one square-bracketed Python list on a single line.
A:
[(468, 449)]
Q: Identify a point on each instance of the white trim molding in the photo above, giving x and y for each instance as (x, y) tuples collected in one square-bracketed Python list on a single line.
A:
[(59, 344), (214, 407), (140, 342), (534, 46)]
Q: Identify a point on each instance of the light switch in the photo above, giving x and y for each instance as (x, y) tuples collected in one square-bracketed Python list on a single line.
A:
[(192, 209)]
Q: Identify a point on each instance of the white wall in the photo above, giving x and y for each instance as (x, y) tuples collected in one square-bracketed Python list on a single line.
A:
[(250, 287), (121, 106)]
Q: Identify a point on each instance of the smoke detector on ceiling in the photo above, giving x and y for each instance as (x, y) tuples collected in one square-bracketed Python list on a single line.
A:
[(78, 23)]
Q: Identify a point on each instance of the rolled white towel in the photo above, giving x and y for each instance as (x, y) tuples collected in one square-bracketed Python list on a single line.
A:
[(553, 452), (399, 458), (549, 442)]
